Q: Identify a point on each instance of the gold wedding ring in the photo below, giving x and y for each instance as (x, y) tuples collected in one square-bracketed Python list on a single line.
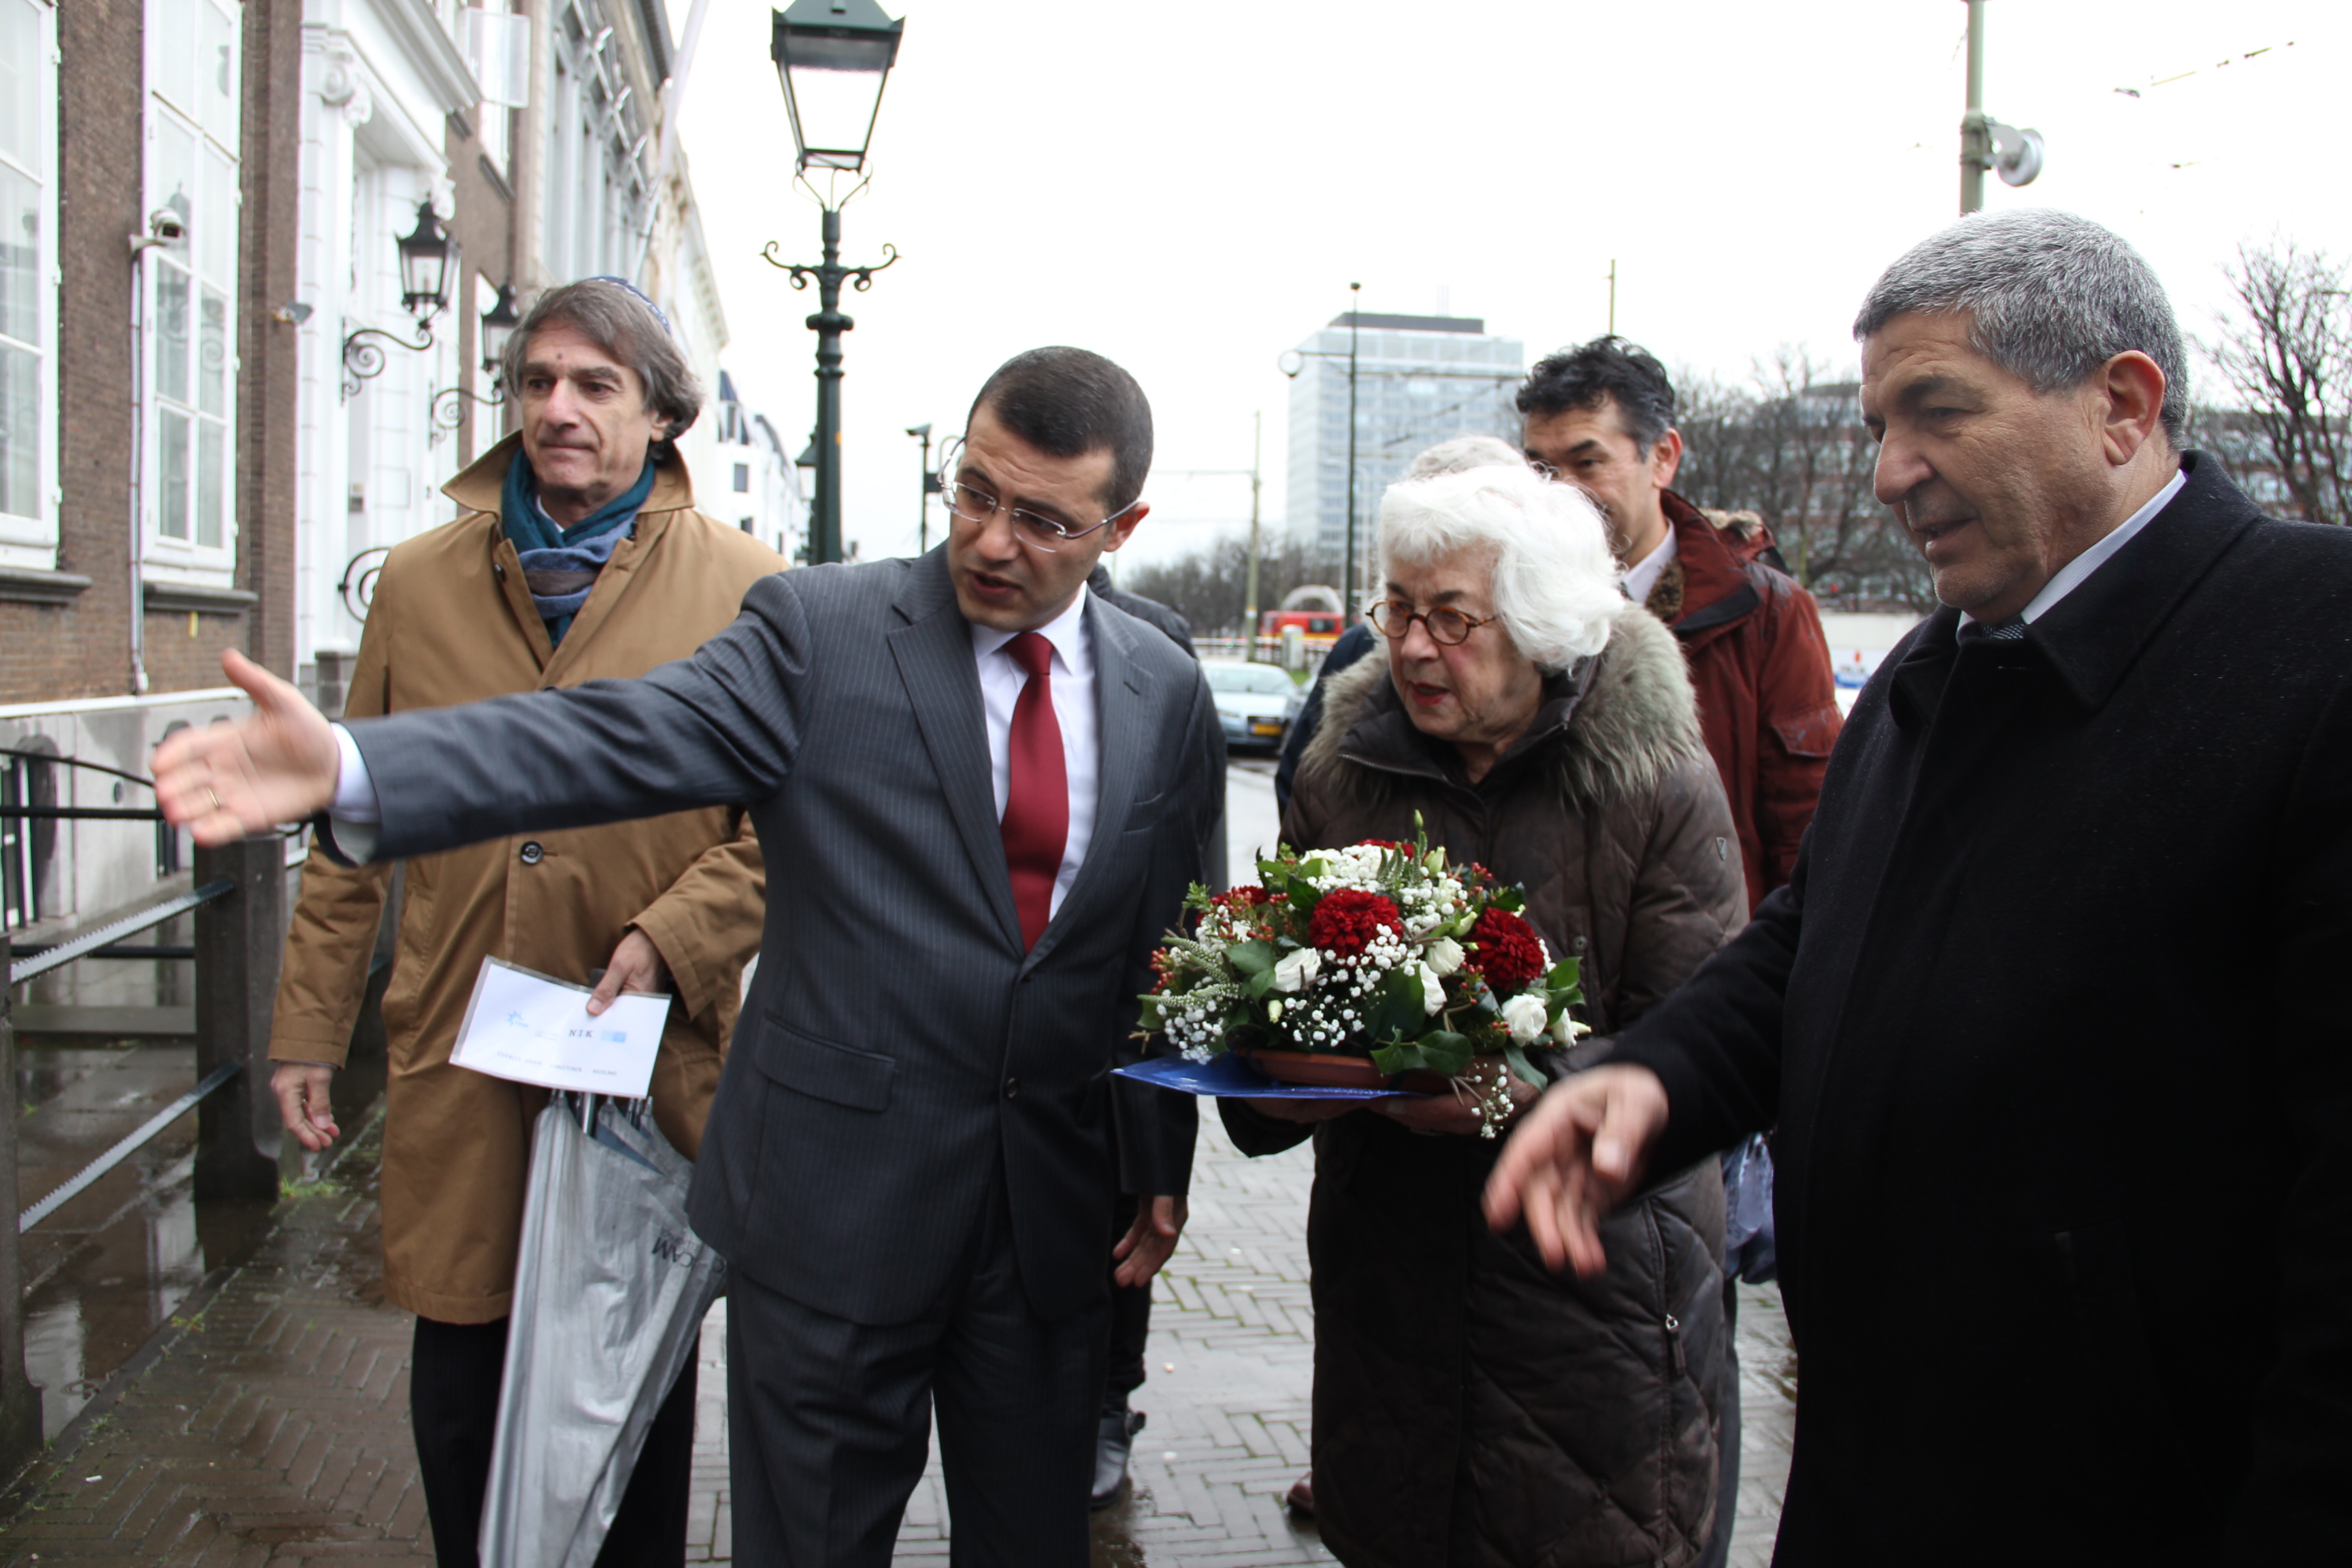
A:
[(214, 795)]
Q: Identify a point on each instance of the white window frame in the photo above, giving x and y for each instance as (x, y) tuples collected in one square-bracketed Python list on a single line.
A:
[(597, 196), (165, 557), (30, 541)]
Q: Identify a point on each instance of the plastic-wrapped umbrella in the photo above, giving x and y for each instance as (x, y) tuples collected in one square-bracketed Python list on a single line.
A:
[(610, 1292)]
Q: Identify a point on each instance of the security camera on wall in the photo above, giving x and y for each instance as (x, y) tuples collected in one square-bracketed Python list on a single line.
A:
[(167, 226)]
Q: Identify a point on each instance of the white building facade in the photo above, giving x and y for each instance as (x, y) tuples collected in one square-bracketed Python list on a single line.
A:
[(1419, 380)]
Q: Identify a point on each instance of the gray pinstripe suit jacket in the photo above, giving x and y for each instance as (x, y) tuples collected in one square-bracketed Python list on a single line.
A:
[(898, 1048)]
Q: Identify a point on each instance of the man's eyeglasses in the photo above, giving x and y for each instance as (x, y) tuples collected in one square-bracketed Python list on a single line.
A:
[(1447, 626), (974, 504)]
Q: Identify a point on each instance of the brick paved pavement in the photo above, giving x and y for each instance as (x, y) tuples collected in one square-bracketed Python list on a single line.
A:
[(266, 1423), (269, 1422)]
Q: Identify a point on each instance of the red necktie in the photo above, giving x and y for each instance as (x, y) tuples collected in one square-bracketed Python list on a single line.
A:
[(1037, 802)]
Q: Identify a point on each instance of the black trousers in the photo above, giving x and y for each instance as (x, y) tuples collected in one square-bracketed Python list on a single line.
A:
[(1130, 1323), (828, 1422), (453, 1405)]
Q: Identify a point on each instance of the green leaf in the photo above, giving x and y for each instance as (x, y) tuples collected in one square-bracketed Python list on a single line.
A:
[(1398, 1059), (1564, 973), (1443, 1051), (1258, 985), (1253, 957), (1523, 1069), (1394, 1011)]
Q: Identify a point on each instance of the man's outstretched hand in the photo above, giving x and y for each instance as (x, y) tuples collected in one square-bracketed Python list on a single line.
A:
[(1574, 1157), (230, 781)]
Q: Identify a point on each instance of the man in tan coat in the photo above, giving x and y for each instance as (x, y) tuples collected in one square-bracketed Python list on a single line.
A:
[(579, 557)]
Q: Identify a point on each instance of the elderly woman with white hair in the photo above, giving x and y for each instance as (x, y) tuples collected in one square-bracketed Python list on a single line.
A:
[(1472, 1407)]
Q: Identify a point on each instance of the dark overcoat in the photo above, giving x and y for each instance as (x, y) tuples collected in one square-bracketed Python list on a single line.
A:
[(1472, 1408), (2055, 1018)]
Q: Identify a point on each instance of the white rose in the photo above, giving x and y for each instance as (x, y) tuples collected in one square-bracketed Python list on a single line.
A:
[(1526, 1017), (1296, 971), (1443, 955), (1567, 1030), (1432, 991)]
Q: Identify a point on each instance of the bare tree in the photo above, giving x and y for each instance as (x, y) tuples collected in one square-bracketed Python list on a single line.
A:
[(1791, 446), (2286, 352), (1205, 586)]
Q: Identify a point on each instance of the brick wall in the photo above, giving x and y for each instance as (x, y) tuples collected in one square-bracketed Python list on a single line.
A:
[(83, 650), (60, 652), (483, 224), (266, 405)]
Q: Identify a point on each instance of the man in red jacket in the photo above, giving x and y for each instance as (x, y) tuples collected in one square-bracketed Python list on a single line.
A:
[(1601, 415)]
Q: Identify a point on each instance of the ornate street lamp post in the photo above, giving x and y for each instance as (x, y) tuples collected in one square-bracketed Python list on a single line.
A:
[(832, 58), (428, 261)]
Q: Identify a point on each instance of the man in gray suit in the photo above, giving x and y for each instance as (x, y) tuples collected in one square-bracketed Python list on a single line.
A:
[(981, 793)]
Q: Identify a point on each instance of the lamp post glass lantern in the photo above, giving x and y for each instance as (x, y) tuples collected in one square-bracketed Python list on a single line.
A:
[(832, 58), (498, 323), (427, 258)]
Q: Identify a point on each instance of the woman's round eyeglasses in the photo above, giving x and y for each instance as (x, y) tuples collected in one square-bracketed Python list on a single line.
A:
[(974, 504), (1447, 626)]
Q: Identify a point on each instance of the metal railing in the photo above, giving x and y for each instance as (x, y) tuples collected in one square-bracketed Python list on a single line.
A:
[(239, 902)]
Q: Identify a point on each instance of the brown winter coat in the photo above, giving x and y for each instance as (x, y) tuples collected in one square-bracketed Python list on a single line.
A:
[(1473, 1409), (452, 622), (1760, 665)]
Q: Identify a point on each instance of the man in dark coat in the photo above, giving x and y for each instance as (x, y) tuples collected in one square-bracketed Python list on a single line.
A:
[(2053, 1014)]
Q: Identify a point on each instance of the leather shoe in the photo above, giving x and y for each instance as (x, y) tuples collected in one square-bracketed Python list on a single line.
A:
[(1302, 1494), (1114, 1441)]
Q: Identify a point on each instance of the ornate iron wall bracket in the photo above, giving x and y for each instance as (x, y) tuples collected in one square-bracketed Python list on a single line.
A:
[(448, 409), (363, 359), (358, 584)]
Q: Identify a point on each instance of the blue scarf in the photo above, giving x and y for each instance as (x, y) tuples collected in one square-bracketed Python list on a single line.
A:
[(559, 565)]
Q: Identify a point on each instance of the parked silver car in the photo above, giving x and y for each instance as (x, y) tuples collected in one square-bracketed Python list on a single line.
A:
[(1256, 702)]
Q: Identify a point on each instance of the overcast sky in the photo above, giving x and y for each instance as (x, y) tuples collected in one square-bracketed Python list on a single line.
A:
[(1190, 190)]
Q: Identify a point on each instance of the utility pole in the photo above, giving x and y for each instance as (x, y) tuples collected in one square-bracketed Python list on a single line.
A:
[(1613, 296), (1348, 567), (1976, 131), (1249, 582)]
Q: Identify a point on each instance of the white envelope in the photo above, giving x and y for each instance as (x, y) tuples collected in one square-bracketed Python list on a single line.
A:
[(531, 1029)]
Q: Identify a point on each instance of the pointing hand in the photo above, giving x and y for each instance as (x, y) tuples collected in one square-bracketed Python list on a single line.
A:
[(230, 781)]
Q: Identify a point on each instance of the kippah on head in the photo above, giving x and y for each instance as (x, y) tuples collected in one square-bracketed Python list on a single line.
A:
[(621, 319)]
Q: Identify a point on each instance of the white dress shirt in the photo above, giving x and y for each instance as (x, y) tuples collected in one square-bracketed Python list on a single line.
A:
[(1643, 574), (1073, 670), (2071, 576), (356, 811)]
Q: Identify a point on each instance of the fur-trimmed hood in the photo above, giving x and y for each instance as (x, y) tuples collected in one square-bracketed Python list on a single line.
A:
[(1611, 727)]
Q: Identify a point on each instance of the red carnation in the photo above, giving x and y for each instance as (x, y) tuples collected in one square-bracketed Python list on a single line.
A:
[(1505, 950), (1345, 921)]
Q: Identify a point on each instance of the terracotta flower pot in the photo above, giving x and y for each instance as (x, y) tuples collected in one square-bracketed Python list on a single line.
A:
[(1328, 1069)]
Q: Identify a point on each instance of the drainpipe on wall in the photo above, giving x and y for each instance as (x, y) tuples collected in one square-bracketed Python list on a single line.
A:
[(140, 244)]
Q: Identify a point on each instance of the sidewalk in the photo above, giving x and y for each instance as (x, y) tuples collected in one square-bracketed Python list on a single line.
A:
[(268, 1422)]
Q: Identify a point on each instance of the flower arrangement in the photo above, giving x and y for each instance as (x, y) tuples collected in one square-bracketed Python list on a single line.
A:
[(1379, 949)]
